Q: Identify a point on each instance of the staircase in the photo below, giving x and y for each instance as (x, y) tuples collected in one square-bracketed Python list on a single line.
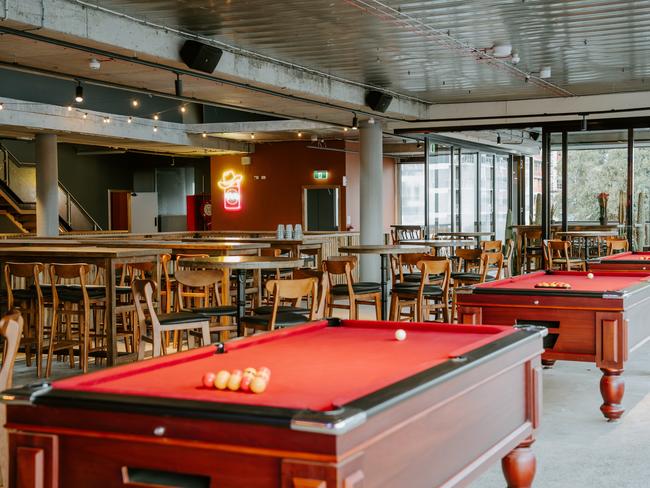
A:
[(18, 198)]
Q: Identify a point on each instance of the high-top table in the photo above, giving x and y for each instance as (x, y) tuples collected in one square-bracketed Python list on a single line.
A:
[(384, 250), (239, 265), (109, 258)]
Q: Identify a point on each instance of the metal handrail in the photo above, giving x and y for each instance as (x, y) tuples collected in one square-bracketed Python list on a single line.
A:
[(71, 201)]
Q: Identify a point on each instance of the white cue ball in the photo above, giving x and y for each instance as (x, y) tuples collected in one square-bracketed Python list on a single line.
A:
[(590, 276), (400, 334)]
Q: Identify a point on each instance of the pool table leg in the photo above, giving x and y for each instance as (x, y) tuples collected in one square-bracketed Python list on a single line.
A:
[(519, 465), (612, 388)]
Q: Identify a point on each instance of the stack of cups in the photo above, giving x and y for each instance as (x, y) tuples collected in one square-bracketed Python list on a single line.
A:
[(297, 233), (288, 232), (279, 233)]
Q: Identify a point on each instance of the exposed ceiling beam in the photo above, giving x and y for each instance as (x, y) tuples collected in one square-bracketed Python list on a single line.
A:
[(264, 126)]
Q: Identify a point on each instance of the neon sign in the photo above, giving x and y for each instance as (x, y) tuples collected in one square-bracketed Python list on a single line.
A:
[(230, 183)]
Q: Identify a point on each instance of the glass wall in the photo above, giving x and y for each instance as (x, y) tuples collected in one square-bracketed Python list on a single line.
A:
[(477, 198)]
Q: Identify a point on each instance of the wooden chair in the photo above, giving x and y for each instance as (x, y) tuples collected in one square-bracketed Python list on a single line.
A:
[(282, 290), (491, 246), (432, 293), (488, 261), (467, 260), (198, 291), (407, 268), (74, 301), (11, 327), (531, 250), (27, 298), (143, 291), (507, 258), (168, 283), (557, 254), (362, 293), (614, 246)]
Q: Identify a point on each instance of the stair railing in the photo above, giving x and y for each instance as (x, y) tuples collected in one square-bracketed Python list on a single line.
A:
[(20, 177)]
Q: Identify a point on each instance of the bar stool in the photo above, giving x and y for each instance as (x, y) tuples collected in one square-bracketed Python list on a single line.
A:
[(29, 300), (70, 301)]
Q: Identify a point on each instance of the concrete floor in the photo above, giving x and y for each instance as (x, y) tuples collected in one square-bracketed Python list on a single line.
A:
[(576, 447)]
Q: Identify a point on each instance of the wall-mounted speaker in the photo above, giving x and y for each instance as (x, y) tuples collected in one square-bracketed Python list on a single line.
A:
[(378, 101), (200, 56)]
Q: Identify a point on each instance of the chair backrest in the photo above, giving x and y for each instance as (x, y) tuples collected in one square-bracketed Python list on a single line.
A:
[(491, 246), (468, 258), (11, 329), (556, 249), (340, 265), (616, 245), (179, 257), (409, 261), (531, 237), (510, 247), (433, 266), (323, 287), (73, 271), (491, 260), (195, 285), (29, 274), (143, 290), (294, 291)]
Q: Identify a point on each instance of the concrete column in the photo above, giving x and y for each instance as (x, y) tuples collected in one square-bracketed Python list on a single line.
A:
[(371, 197), (47, 186)]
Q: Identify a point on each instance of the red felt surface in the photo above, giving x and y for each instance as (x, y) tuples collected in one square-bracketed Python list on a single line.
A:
[(640, 256), (602, 281), (312, 366)]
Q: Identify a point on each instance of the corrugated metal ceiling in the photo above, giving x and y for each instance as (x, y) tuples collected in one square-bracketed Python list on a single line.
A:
[(412, 47)]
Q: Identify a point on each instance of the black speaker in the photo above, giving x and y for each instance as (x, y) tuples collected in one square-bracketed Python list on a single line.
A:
[(378, 101), (200, 56)]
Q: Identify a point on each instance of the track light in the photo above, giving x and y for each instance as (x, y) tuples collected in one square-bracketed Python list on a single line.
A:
[(79, 93), (135, 103), (155, 128), (355, 122), (583, 126), (129, 120), (85, 115), (107, 120), (498, 138), (2, 106), (252, 136)]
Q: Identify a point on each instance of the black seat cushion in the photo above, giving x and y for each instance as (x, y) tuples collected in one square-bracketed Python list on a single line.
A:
[(73, 293), (359, 288), (180, 318), (23, 294), (412, 288), (470, 277), (268, 309), (219, 311), (286, 319)]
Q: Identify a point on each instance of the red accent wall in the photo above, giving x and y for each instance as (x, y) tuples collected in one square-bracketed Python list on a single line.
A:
[(288, 166)]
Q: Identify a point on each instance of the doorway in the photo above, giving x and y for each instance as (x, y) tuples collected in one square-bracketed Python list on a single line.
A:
[(321, 208)]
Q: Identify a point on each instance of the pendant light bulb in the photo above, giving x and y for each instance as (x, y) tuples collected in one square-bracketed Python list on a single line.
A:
[(79, 94)]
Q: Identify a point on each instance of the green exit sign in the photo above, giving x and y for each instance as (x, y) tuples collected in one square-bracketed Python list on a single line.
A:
[(321, 174)]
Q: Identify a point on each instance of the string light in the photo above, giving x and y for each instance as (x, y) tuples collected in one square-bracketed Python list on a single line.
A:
[(107, 120), (129, 120), (204, 135), (252, 136), (183, 109), (155, 128), (69, 108), (85, 115), (135, 103), (2, 106), (156, 117), (299, 134)]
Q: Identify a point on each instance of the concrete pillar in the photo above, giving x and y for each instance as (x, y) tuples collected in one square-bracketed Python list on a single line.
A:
[(47, 186), (371, 197)]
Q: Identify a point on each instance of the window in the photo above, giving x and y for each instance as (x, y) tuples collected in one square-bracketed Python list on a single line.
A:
[(468, 189), (440, 189), (411, 184), (501, 181), (487, 191)]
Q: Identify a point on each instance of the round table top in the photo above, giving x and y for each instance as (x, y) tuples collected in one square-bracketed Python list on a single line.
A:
[(443, 242), (383, 249), (242, 262)]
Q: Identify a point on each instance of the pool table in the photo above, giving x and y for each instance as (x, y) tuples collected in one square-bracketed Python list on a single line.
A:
[(599, 320), (624, 261), (347, 405)]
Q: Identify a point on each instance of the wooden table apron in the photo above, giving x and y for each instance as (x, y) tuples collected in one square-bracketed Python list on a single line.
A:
[(239, 268), (384, 251), (110, 259)]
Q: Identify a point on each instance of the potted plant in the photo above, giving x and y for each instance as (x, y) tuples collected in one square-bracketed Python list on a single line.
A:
[(602, 203)]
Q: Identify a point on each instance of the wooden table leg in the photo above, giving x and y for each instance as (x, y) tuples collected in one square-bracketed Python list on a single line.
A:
[(110, 317), (519, 465), (612, 388)]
